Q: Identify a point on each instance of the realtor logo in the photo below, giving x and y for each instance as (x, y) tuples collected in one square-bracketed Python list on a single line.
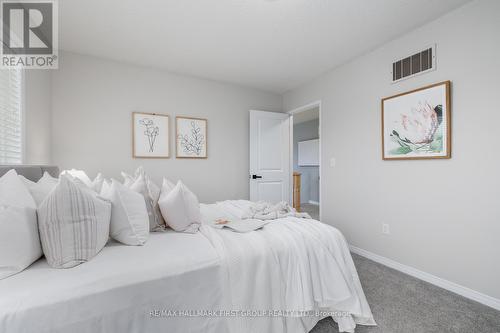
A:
[(29, 34)]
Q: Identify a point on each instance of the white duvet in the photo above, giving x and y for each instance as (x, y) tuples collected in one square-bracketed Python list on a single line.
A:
[(288, 266), (288, 275)]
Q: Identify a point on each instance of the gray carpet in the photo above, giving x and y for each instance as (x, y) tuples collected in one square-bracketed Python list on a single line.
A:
[(403, 304), (312, 210)]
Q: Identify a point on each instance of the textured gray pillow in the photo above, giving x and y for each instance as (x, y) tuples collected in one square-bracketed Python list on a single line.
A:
[(73, 223)]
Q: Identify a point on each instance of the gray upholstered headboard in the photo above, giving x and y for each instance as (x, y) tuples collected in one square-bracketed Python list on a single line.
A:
[(32, 172)]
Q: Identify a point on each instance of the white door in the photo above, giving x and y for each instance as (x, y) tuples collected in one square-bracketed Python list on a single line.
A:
[(269, 156)]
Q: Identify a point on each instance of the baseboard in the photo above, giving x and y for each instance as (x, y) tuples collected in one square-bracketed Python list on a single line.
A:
[(445, 284), (311, 202)]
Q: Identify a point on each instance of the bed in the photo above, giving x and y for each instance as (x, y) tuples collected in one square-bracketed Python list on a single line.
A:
[(282, 278)]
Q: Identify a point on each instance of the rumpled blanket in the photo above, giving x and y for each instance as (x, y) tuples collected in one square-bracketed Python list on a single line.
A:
[(266, 211), (299, 269)]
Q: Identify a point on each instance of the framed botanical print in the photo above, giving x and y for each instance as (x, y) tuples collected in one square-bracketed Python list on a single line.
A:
[(191, 137), (417, 124), (150, 135)]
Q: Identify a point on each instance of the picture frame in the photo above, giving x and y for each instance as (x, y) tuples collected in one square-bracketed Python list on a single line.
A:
[(150, 135), (416, 124), (191, 137)]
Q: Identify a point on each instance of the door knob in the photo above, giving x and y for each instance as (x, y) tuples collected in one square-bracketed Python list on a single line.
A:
[(256, 177)]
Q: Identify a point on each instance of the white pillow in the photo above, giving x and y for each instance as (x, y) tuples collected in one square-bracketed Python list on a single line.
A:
[(143, 186), (141, 183), (181, 209), (80, 174), (73, 223), (19, 240), (97, 183), (105, 188), (129, 216), (127, 179), (41, 189), (13, 191), (26, 181), (166, 187)]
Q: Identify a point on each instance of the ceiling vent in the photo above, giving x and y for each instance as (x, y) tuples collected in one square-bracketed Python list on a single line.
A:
[(418, 63)]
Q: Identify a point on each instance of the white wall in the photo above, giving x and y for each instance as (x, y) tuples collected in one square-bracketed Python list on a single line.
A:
[(444, 215), (93, 100), (37, 112)]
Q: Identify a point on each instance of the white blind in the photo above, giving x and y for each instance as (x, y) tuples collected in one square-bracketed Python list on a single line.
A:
[(11, 122)]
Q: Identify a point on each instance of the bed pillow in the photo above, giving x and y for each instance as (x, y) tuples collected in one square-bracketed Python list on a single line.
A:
[(129, 216), (73, 223), (97, 183), (41, 189), (166, 188), (26, 181), (152, 187), (13, 191), (127, 179), (19, 240), (143, 186), (80, 174), (105, 188), (181, 209), (141, 183)]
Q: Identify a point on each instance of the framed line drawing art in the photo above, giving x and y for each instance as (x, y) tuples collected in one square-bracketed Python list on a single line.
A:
[(417, 124), (191, 137), (150, 135)]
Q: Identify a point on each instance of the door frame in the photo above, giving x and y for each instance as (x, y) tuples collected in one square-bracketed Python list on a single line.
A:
[(300, 109)]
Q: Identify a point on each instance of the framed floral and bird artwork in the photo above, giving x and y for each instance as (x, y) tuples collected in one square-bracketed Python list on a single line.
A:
[(191, 137), (417, 124), (150, 135)]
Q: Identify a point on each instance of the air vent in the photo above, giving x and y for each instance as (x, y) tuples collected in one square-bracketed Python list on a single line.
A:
[(417, 63)]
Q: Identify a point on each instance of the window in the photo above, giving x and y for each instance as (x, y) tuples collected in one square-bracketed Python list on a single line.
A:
[(11, 122)]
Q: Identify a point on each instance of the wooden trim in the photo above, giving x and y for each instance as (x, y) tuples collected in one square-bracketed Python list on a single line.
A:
[(296, 190), (447, 84), (134, 155), (177, 136)]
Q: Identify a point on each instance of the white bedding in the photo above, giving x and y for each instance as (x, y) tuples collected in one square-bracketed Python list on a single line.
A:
[(292, 265), (289, 265), (117, 290)]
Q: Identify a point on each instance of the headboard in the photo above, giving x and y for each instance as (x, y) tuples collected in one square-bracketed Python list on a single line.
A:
[(32, 172)]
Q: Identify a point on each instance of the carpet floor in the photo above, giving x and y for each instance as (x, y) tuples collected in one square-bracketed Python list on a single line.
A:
[(403, 304), (312, 210)]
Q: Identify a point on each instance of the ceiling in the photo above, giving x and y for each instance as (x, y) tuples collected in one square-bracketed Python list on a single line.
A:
[(273, 45), (305, 116)]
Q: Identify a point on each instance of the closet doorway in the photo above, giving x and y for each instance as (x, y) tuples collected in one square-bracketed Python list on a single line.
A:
[(305, 159)]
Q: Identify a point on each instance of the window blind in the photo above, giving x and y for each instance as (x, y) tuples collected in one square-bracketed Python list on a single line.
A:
[(11, 122)]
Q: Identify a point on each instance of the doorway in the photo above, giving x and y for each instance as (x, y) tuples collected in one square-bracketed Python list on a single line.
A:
[(305, 159)]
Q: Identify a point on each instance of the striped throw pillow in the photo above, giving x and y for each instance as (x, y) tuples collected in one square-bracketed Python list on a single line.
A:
[(73, 223)]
